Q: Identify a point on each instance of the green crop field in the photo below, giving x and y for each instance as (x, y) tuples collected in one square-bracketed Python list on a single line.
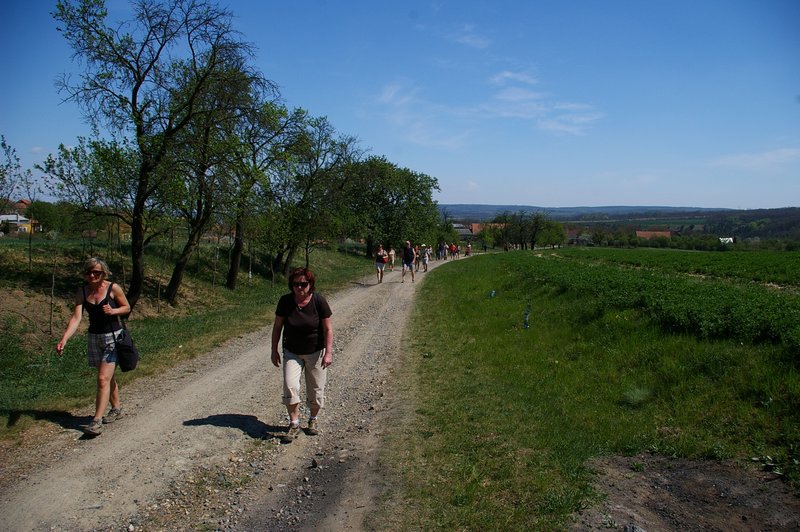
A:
[(780, 268)]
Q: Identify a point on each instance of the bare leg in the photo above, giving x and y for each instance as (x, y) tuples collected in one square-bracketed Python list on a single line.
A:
[(294, 413), (105, 378)]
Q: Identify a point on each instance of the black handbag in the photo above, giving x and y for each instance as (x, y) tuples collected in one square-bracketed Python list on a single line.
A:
[(127, 354)]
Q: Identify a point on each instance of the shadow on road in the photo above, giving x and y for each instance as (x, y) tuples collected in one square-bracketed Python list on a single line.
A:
[(59, 417), (248, 424)]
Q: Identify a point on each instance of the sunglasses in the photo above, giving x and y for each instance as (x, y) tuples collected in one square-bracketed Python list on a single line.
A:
[(301, 284), (94, 273)]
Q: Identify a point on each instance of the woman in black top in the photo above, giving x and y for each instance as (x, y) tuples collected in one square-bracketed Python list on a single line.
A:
[(105, 302), (304, 318)]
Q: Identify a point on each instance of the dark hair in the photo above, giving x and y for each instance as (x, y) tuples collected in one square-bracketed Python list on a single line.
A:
[(298, 272)]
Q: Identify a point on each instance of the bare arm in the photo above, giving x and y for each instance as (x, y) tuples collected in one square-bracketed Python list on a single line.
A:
[(73, 323), (327, 327), (123, 307), (277, 327)]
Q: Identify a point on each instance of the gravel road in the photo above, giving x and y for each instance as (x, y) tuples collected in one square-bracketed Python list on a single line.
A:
[(199, 446)]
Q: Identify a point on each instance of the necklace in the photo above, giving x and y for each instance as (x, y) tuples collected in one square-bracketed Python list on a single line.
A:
[(303, 304)]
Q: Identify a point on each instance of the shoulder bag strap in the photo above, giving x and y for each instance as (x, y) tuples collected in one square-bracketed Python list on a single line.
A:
[(121, 323)]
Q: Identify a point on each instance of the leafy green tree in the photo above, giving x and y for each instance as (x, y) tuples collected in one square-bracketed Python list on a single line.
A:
[(370, 201), (10, 174), (47, 214), (553, 234), (445, 232), (100, 177), (144, 80), (263, 134), (391, 204), (308, 187), (488, 235), (203, 165), (534, 225)]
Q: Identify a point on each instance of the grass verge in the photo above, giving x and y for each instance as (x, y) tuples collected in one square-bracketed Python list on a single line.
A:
[(503, 417)]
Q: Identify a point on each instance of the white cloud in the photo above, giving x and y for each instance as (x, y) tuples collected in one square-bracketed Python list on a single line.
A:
[(472, 186), (397, 94), (570, 123), (508, 76), (517, 94), (418, 120), (760, 162), (467, 36), (525, 110), (515, 101)]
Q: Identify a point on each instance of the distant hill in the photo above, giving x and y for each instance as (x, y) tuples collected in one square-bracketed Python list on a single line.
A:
[(783, 224), (483, 213)]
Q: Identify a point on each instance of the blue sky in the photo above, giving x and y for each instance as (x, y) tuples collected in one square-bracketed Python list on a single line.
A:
[(528, 102)]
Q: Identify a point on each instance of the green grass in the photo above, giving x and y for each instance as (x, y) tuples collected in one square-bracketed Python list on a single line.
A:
[(37, 384), (766, 266), (504, 417)]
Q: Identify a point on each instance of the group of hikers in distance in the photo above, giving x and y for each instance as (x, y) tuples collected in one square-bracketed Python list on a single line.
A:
[(415, 257)]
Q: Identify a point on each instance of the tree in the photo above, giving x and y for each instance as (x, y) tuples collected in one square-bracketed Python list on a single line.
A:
[(101, 177), (308, 186), (202, 165), (488, 235), (522, 229), (48, 215), (534, 225), (10, 174), (369, 196), (31, 187), (553, 234), (390, 204), (264, 134), (144, 80)]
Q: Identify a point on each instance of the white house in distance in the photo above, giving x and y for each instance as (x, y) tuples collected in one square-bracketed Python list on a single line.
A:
[(16, 223)]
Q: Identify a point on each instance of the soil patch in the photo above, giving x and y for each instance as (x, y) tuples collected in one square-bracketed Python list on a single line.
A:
[(655, 493)]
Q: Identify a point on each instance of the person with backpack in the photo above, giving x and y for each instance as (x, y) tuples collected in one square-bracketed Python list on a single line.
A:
[(409, 258), (104, 302), (303, 320)]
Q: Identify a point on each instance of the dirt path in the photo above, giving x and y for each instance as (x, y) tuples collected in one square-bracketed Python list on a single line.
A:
[(199, 446)]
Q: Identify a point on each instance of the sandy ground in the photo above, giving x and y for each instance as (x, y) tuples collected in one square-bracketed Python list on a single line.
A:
[(200, 449)]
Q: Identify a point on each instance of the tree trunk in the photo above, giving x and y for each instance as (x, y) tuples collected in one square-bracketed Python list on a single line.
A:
[(236, 255), (171, 293), (137, 258), (370, 248), (287, 265)]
